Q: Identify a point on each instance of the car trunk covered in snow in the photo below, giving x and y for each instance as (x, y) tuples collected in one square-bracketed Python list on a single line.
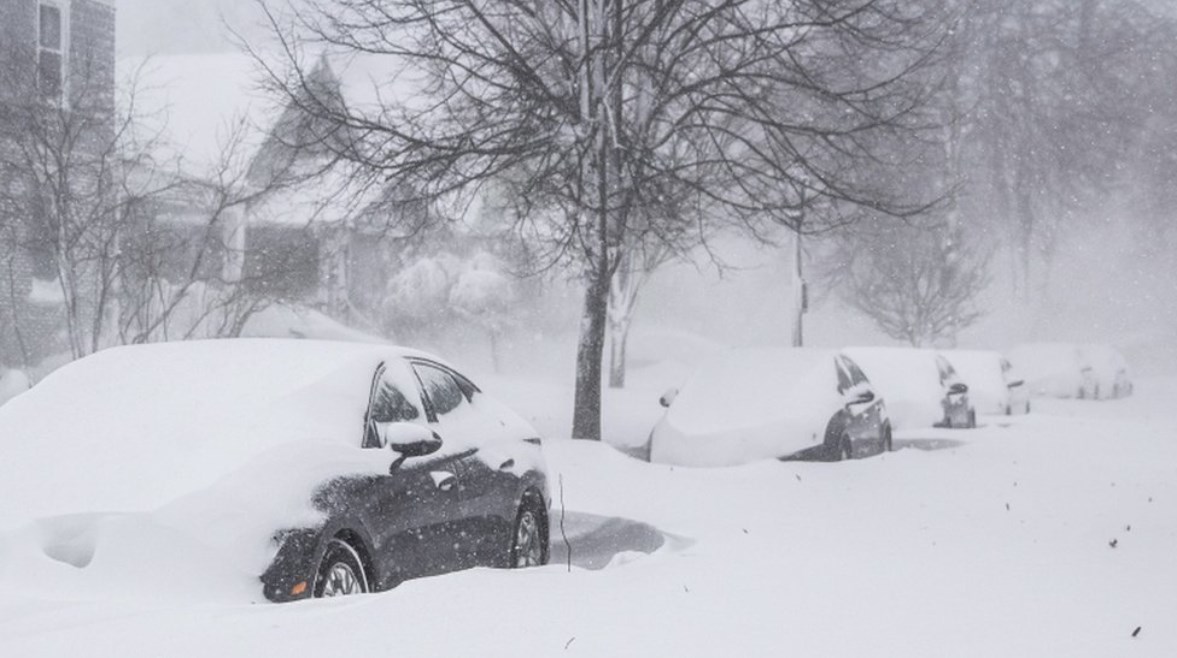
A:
[(908, 381), (981, 371), (751, 404)]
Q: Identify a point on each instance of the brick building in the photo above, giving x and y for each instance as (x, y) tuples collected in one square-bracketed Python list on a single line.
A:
[(56, 57)]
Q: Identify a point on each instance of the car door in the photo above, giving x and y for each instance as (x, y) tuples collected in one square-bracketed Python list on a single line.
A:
[(411, 509), (487, 486)]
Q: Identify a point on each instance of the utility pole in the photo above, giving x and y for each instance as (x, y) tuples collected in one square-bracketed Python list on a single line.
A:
[(800, 290)]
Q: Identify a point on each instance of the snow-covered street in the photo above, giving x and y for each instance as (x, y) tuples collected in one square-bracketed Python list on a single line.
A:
[(1053, 534)]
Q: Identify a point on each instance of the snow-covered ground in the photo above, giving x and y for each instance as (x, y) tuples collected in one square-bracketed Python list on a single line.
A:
[(1053, 534)]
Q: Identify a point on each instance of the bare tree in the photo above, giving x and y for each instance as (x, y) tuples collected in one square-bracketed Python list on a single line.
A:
[(60, 153), (138, 247), (916, 283), (586, 110)]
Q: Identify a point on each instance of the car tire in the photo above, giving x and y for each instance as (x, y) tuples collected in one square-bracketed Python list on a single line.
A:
[(1009, 410), (341, 572), (972, 419), (888, 444), (529, 535)]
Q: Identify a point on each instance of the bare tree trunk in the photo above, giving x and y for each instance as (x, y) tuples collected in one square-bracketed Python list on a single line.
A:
[(586, 415), (618, 339), (798, 338)]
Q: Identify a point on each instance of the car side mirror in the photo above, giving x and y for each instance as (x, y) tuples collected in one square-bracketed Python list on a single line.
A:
[(865, 397), (408, 439), (1016, 383), (860, 393), (958, 388), (668, 397)]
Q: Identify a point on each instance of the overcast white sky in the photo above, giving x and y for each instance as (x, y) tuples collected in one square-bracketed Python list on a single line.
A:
[(181, 26), (186, 26)]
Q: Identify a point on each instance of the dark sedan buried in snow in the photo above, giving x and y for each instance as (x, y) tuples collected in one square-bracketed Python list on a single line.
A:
[(323, 469)]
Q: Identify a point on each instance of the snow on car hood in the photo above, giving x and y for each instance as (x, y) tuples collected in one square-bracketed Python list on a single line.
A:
[(132, 428)]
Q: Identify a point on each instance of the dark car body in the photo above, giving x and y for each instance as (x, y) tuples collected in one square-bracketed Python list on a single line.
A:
[(430, 514), (864, 418)]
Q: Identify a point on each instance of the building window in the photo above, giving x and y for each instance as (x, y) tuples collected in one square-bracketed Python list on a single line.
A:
[(50, 51)]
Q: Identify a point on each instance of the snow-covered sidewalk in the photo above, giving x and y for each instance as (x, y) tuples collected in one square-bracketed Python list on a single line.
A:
[(1053, 534)]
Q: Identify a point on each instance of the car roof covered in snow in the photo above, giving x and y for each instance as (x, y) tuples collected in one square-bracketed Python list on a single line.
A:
[(129, 428)]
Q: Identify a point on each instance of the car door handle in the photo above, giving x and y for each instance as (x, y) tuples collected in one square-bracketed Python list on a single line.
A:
[(510, 463), (444, 480)]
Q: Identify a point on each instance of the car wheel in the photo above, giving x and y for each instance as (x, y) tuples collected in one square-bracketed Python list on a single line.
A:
[(1027, 406), (887, 443), (1009, 411), (972, 419), (341, 573), (528, 545)]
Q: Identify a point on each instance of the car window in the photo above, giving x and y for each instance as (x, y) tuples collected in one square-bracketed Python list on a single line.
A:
[(441, 389), (389, 403), (856, 374), (843, 378), (947, 373)]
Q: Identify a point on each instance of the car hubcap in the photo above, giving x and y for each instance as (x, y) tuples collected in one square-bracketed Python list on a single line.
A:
[(341, 581), (528, 548)]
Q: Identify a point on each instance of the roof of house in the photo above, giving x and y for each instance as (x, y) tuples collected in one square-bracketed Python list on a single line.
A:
[(215, 119)]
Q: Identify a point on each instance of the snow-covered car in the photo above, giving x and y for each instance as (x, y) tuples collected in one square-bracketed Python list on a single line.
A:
[(993, 386), (957, 401), (1056, 370), (312, 468), (920, 391), (763, 403), (1110, 370)]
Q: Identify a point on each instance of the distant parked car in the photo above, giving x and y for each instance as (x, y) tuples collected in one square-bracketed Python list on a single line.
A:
[(920, 389), (1019, 391), (994, 387), (1110, 370), (322, 469), (754, 404), (957, 401), (1057, 370)]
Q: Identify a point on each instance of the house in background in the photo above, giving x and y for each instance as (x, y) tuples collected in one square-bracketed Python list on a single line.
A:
[(307, 235), (55, 56)]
